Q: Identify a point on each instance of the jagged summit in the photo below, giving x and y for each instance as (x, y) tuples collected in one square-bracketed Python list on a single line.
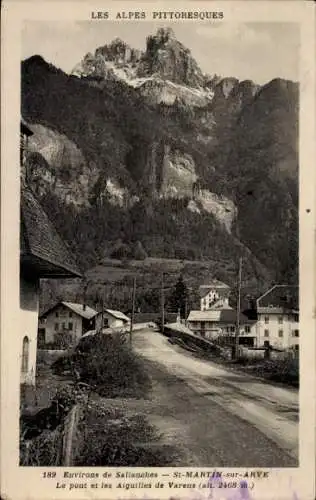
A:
[(169, 58), (148, 136), (118, 51), (164, 57)]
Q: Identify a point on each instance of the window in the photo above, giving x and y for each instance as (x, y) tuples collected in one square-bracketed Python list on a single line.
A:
[(57, 314), (25, 354), (295, 333), (280, 333), (63, 326), (41, 337), (280, 320), (56, 327), (296, 318), (70, 325), (70, 314), (247, 329), (266, 319), (266, 333)]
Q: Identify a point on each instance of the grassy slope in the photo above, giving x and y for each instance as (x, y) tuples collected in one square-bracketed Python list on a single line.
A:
[(113, 281)]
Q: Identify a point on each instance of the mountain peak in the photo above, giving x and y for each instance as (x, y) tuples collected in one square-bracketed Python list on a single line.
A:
[(118, 52), (170, 59), (164, 35)]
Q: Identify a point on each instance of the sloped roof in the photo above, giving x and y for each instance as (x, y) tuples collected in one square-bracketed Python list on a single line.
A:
[(204, 316), (87, 313), (204, 289), (117, 314), (40, 244), (279, 298), (77, 308), (217, 316), (213, 283)]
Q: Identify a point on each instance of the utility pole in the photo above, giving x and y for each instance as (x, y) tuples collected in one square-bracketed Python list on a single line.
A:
[(185, 310), (162, 305), (133, 311), (102, 313), (84, 298), (238, 309)]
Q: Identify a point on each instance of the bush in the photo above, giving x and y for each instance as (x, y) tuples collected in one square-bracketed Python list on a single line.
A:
[(110, 364), (107, 363), (285, 371)]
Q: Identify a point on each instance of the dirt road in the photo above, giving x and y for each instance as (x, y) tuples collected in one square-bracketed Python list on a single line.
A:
[(218, 416)]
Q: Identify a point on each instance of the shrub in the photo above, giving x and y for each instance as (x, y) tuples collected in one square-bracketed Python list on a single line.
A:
[(107, 363), (114, 368), (285, 371)]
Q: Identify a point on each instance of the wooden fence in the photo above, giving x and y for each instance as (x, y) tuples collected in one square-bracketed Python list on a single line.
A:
[(57, 447), (70, 437)]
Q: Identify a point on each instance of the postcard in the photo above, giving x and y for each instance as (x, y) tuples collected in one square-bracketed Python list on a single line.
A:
[(157, 250)]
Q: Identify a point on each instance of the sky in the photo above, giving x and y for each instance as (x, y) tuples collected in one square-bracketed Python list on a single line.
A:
[(255, 51)]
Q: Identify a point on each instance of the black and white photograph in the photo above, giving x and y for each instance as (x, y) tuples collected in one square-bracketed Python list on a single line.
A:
[(159, 244), (157, 251)]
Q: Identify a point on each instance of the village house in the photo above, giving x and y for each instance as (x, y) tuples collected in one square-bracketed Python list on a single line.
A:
[(43, 254), (111, 319), (278, 317), (211, 291), (220, 322), (65, 323)]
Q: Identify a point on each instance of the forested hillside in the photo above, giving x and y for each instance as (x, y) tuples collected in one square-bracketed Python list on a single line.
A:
[(132, 159)]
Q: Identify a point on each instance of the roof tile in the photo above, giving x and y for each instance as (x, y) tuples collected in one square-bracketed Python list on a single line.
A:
[(39, 238)]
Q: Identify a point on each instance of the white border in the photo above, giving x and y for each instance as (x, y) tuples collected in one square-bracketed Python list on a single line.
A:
[(23, 483)]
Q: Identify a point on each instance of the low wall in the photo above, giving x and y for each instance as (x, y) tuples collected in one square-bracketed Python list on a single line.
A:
[(178, 330), (252, 353)]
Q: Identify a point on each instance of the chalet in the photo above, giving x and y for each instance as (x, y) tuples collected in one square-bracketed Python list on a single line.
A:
[(221, 323), (211, 291), (278, 317), (43, 254), (65, 323), (111, 319)]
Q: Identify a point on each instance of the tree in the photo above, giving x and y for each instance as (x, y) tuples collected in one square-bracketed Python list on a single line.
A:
[(139, 253), (178, 298)]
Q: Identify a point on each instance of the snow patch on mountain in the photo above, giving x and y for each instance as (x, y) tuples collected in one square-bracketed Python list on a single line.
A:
[(158, 90)]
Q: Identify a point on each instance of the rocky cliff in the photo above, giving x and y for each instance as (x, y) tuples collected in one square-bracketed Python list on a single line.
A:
[(157, 152)]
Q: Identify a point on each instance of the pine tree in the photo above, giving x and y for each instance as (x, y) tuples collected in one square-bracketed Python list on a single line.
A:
[(179, 297)]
